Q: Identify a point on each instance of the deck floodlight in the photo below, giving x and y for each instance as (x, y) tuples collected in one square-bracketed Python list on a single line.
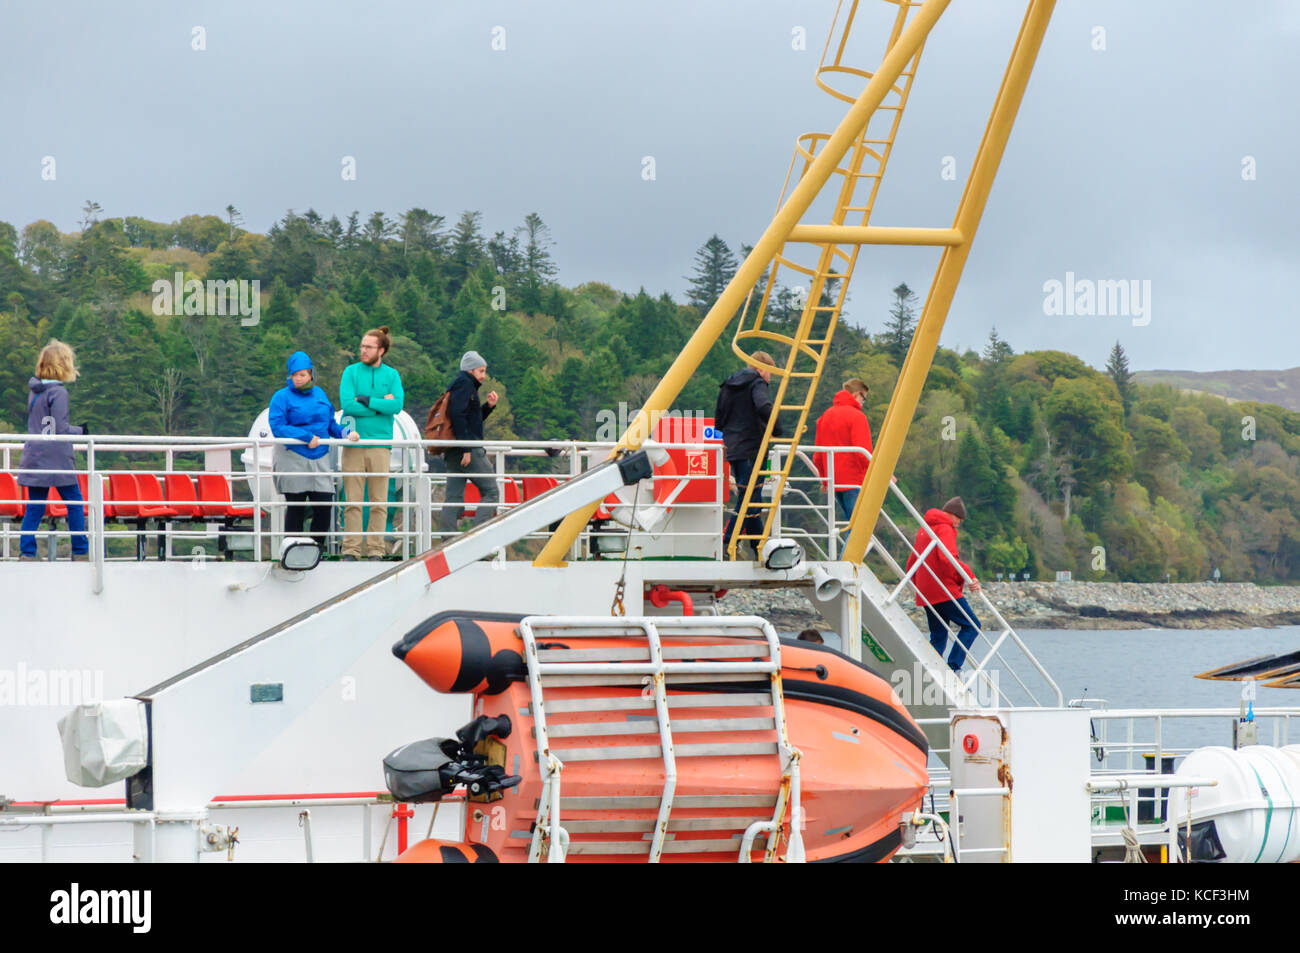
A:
[(607, 542), (782, 554), (299, 553)]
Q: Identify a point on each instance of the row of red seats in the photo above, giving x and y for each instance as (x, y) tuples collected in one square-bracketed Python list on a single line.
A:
[(139, 497), (514, 493), (123, 493)]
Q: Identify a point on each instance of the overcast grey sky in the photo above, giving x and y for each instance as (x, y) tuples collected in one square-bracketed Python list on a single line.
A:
[(1125, 163)]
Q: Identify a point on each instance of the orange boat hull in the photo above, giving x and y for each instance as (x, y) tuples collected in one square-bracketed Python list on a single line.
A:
[(863, 764)]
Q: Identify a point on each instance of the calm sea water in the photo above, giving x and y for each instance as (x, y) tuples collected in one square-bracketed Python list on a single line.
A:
[(1155, 668)]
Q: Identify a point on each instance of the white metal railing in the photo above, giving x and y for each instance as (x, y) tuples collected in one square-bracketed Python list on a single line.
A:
[(414, 501), (49, 816), (1127, 741), (1130, 749), (416, 508)]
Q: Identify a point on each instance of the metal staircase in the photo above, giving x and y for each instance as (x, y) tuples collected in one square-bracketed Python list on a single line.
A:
[(807, 348)]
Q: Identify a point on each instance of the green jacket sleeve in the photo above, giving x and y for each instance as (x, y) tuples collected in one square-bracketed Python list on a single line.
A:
[(393, 407), (348, 397)]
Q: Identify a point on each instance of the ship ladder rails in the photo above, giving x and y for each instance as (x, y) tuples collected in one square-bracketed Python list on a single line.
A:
[(828, 280), (652, 659)]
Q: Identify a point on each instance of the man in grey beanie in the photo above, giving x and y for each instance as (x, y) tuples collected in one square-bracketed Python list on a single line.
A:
[(468, 464)]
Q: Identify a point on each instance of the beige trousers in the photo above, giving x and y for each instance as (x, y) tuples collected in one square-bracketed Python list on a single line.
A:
[(365, 470)]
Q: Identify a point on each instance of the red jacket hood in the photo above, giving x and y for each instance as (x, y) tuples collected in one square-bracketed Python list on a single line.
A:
[(936, 516), (939, 581), (845, 399)]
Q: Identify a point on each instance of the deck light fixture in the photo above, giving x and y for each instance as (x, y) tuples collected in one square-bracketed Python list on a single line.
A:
[(781, 554), (299, 553)]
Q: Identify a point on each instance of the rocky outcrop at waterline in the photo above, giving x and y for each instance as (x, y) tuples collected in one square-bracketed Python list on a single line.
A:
[(1078, 605), (1136, 605)]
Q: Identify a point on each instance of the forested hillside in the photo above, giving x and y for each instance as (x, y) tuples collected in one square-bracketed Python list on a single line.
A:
[(1062, 466)]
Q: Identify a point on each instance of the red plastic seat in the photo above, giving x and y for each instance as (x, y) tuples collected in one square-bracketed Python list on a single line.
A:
[(472, 496), (151, 494), (181, 496), (215, 499), (126, 495), (537, 485), (55, 509), (9, 491), (84, 482)]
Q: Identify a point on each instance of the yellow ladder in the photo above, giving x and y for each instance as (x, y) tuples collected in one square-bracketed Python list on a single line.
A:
[(806, 350)]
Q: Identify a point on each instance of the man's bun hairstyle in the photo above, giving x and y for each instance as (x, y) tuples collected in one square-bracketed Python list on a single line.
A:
[(381, 334)]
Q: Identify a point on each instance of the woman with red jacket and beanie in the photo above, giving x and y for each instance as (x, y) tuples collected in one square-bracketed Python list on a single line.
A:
[(939, 583)]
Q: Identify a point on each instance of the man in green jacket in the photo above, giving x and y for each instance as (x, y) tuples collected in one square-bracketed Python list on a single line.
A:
[(370, 393)]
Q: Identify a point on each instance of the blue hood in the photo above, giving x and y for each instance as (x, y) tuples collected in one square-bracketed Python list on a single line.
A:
[(298, 361)]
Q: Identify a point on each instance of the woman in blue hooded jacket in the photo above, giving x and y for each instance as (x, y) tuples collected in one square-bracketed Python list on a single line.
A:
[(303, 411)]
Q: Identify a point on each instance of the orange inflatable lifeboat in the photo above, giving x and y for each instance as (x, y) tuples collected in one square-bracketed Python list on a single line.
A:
[(821, 731)]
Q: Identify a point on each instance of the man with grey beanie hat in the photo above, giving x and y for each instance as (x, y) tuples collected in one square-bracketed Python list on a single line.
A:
[(469, 465)]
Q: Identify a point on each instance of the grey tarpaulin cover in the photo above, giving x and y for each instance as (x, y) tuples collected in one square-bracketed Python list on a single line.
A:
[(104, 742)]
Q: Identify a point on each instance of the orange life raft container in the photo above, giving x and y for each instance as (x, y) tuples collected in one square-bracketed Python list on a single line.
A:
[(862, 764)]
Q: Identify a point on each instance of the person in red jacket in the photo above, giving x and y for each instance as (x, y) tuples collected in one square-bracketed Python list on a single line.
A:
[(844, 425), (939, 583)]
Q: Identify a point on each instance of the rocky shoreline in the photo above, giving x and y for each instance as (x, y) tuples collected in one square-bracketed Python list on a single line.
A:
[(1080, 605)]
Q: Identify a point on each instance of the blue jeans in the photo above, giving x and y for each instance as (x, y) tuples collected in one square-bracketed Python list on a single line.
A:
[(753, 524), (845, 500), (956, 611), (36, 512)]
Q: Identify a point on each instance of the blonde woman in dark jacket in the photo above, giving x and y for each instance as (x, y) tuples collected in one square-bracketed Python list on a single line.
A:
[(49, 463)]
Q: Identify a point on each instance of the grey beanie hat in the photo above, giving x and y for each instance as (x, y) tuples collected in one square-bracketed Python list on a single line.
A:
[(471, 360)]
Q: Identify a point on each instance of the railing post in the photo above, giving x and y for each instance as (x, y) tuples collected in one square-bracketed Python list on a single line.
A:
[(257, 499), (424, 505), (95, 518), (832, 515), (575, 469)]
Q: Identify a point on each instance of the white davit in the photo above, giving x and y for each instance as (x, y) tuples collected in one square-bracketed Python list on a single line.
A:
[(1252, 816), (104, 742)]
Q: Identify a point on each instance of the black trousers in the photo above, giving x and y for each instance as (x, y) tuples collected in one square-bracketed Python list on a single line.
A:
[(316, 515)]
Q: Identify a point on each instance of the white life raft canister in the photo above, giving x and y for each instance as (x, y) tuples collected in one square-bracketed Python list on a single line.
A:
[(1252, 816)]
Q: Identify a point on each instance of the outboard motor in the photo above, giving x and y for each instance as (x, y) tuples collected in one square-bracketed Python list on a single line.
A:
[(429, 770)]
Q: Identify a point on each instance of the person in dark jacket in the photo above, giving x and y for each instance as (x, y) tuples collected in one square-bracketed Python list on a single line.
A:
[(471, 465), (49, 463), (741, 414), (303, 411), (939, 583)]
